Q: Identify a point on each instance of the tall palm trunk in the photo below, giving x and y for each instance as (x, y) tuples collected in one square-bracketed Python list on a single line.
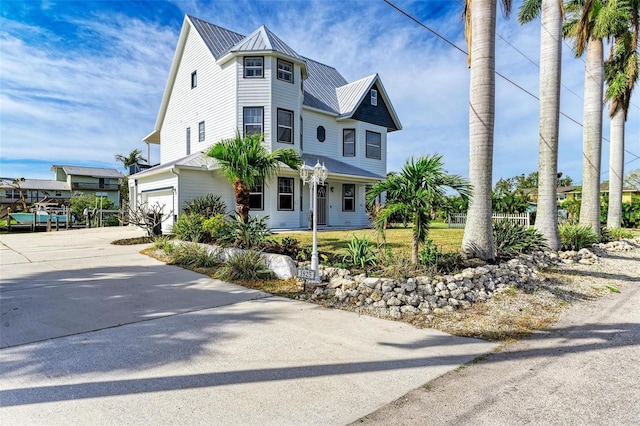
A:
[(550, 74), (592, 135), (242, 195), (478, 233), (616, 168)]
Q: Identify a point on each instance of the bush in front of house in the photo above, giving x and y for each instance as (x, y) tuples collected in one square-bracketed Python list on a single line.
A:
[(192, 255), (512, 239), (243, 265), (207, 206), (188, 227)]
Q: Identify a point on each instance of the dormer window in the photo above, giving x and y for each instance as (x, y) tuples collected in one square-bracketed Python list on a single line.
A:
[(253, 67), (374, 97), (285, 71), (194, 79)]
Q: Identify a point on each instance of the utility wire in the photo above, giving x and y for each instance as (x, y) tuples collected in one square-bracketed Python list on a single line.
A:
[(449, 42)]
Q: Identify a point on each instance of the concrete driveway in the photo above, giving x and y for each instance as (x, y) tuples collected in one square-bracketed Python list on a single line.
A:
[(93, 333)]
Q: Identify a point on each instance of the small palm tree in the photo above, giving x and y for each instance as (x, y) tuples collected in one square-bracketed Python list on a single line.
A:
[(134, 157), (246, 162), (414, 191)]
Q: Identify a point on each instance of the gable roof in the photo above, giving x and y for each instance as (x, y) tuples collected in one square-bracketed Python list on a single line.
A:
[(97, 172), (336, 167), (261, 40), (217, 39)]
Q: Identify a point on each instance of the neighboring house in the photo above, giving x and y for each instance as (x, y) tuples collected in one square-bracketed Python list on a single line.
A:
[(91, 181), (33, 190), (568, 193), (69, 180), (222, 82)]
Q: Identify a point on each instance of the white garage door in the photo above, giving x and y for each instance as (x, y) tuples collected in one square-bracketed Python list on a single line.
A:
[(162, 198)]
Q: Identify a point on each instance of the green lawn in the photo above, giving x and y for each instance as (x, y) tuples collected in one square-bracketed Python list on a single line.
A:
[(398, 239)]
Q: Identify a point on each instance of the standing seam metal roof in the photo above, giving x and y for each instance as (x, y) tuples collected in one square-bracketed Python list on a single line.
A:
[(217, 39), (90, 171)]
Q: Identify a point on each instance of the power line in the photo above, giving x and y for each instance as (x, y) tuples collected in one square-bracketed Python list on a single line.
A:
[(449, 42)]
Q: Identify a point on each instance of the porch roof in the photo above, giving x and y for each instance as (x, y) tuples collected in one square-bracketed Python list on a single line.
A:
[(336, 167)]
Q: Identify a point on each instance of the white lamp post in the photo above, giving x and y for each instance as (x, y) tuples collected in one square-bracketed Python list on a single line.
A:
[(317, 177)]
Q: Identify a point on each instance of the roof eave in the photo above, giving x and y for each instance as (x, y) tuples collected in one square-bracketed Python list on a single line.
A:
[(321, 111)]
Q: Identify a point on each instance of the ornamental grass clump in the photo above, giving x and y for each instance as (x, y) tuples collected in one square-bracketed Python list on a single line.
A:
[(243, 265), (193, 255), (360, 253), (576, 237), (512, 239)]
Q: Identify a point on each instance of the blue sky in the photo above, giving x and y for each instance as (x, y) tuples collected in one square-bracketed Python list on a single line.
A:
[(81, 81)]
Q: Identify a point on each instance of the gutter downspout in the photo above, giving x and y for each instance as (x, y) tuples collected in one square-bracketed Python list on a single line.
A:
[(177, 194)]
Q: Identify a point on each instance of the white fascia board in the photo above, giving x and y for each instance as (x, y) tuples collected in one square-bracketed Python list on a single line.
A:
[(321, 111)]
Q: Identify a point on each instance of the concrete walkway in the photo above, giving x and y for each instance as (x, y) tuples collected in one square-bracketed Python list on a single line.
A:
[(93, 333)]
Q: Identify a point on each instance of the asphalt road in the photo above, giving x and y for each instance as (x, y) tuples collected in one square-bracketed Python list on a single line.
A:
[(585, 370)]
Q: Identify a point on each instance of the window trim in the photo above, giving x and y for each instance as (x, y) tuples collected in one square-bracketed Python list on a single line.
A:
[(252, 191), (194, 79), (246, 67), (290, 73), (188, 140), (345, 198), (344, 131), (367, 145), (244, 120), (201, 135), (374, 97), (279, 110), (287, 194)]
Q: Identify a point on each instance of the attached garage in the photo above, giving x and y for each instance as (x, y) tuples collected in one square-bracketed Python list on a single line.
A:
[(163, 197)]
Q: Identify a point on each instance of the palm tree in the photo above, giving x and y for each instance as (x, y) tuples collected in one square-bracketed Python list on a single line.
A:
[(589, 21), (621, 74), (134, 157), (480, 31), (246, 162), (414, 191), (550, 72)]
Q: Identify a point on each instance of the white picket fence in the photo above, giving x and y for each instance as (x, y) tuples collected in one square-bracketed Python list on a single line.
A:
[(459, 220)]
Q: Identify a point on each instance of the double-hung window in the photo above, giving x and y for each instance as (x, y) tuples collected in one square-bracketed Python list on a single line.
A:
[(285, 193), (201, 131), (348, 197), (253, 118), (256, 197), (374, 145), (285, 71), (285, 126), (349, 142), (188, 140), (253, 67)]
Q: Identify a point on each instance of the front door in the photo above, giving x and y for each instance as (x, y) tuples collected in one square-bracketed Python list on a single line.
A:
[(321, 201)]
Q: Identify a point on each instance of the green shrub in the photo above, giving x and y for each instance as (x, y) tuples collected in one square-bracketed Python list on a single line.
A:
[(193, 256), (244, 265), (288, 246), (429, 253), (512, 239), (576, 237), (250, 235), (360, 253), (80, 202), (206, 206), (188, 227), (163, 243), (614, 234), (216, 228)]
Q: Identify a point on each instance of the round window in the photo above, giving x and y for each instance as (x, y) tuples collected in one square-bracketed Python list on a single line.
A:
[(321, 133)]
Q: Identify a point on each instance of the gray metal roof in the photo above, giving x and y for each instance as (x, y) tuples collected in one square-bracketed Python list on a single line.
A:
[(41, 184), (350, 95), (338, 167), (263, 39), (196, 160), (320, 87), (97, 172), (217, 39)]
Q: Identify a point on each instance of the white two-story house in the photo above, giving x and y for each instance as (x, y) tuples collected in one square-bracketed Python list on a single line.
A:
[(222, 82)]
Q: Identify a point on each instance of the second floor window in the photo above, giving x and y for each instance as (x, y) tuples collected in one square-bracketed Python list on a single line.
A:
[(201, 131), (188, 140), (349, 142), (285, 126), (253, 66), (285, 71), (194, 79), (253, 120), (374, 97), (374, 145), (285, 193)]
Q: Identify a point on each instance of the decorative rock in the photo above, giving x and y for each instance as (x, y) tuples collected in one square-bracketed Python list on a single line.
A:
[(371, 282), (394, 312), (394, 302), (376, 296)]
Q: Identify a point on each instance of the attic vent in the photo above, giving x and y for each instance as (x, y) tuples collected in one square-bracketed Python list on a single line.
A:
[(374, 97)]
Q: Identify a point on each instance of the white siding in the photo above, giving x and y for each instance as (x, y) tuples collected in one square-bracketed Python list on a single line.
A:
[(212, 101), (254, 92), (287, 96), (194, 184), (149, 190)]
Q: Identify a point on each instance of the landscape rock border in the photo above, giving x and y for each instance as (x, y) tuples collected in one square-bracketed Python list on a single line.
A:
[(401, 298)]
